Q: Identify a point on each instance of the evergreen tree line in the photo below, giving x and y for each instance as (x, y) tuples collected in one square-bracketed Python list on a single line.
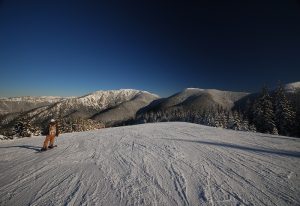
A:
[(267, 113), (67, 125), (273, 113), (24, 128), (215, 117)]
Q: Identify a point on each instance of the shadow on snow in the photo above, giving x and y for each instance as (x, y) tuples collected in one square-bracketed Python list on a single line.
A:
[(228, 145), (35, 148)]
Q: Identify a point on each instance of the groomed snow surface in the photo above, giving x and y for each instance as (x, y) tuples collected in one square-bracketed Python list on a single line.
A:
[(152, 164)]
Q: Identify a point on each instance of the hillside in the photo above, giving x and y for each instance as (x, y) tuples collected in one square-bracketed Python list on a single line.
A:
[(152, 164), (198, 99), (108, 107), (125, 111), (22, 104), (88, 105)]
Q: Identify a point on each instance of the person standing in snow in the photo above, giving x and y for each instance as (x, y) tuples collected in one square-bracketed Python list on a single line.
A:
[(51, 133)]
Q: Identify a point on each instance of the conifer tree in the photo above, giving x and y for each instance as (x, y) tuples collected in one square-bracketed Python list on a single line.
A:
[(264, 118), (284, 114), (230, 120)]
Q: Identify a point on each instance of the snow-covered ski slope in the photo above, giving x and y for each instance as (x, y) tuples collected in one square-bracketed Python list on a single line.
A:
[(152, 164)]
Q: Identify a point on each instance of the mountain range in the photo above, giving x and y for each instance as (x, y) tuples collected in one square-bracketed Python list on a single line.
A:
[(119, 107)]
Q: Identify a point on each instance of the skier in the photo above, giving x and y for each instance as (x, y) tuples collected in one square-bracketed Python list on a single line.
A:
[(51, 133)]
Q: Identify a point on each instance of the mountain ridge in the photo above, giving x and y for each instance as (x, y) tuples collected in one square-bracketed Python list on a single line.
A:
[(126, 106), (86, 107)]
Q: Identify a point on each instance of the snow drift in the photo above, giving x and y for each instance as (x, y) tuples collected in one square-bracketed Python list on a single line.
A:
[(152, 164)]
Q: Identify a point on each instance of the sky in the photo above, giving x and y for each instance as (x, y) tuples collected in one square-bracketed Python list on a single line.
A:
[(71, 48)]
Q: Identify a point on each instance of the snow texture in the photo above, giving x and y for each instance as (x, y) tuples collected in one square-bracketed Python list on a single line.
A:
[(152, 164)]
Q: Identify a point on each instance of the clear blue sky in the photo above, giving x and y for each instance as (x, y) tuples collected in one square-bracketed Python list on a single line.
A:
[(69, 48)]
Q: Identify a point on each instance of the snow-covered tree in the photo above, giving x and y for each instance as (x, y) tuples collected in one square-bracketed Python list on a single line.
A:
[(237, 120), (284, 114), (263, 114), (23, 129), (252, 128), (244, 124)]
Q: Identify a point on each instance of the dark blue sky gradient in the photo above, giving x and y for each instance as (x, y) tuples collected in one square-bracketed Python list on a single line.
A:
[(71, 48)]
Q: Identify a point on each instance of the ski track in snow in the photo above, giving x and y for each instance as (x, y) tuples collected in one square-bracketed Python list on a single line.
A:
[(152, 164)]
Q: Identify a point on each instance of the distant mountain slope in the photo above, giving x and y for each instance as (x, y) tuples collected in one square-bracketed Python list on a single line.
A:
[(22, 104), (126, 110), (292, 87), (92, 104), (199, 99), (110, 107), (152, 164)]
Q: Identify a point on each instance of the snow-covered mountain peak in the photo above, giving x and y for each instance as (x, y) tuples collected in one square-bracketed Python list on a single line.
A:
[(97, 100), (104, 95), (210, 90), (116, 91), (121, 94), (190, 89), (292, 87), (34, 98), (101, 93), (85, 106), (26, 103)]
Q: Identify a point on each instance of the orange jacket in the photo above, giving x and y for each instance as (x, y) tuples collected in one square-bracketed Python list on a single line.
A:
[(53, 129)]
